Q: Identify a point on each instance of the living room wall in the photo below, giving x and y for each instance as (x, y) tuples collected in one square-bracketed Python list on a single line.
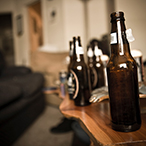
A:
[(70, 20), (135, 11)]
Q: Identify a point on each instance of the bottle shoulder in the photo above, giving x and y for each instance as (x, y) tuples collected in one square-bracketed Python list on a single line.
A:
[(80, 64), (122, 62)]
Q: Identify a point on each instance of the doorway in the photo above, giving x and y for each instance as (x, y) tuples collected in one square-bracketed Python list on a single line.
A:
[(6, 38), (35, 25)]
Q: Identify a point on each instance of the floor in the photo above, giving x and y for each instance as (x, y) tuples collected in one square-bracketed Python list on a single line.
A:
[(38, 134)]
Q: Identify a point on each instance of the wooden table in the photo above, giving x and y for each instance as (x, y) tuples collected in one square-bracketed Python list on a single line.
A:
[(95, 120)]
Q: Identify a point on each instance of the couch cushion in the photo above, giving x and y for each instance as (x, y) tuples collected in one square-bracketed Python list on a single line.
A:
[(15, 71), (8, 93), (30, 83), (9, 112)]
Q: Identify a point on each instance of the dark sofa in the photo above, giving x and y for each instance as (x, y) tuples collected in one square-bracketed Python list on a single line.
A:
[(21, 101)]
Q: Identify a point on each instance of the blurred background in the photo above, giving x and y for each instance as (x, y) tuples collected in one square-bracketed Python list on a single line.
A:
[(31, 27), (36, 33)]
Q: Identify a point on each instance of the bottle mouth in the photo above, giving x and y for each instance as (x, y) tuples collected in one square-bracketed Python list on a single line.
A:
[(116, 16)]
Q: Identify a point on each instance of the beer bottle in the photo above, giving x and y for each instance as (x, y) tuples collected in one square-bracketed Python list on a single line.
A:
[(122, 79), (80, 73), (70, 80), (90, 55), (70, 54), (93, 74), (99, 67)]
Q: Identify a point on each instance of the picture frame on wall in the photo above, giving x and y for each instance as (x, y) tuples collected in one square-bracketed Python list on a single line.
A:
[(19, 25)]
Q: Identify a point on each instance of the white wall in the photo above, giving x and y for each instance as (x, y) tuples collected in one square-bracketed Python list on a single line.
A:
[(97, 19), (74, 21), (135, 15), (53, 27), (68, 22)]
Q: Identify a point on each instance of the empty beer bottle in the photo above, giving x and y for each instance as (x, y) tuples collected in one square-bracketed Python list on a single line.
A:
[(96, 67), (80, 73), (122, 79), (71, 80), (90, 54), (99, 67), (70, 54), (93, 73)]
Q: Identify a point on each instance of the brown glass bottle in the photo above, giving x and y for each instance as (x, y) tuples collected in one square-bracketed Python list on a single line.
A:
[(70, 79), (90, 54), (122, 79), (99, 67), (80, 72), (93, 73), (70, 54)]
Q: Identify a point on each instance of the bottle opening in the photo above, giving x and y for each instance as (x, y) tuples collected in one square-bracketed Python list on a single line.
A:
[(115, 16)]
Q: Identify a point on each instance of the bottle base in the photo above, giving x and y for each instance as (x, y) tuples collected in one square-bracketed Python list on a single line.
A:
[(126, 128)]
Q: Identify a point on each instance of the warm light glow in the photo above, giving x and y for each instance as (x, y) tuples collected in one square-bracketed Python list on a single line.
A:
[(79, 67), (124, 65), (98, 65)]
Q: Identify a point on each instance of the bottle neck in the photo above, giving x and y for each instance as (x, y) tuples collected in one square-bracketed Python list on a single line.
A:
[(71, 49), (71, 59), (74, 54), (79, 52), (74, 49), (119, 42), (97, 51), (90, 53), (97, 54)]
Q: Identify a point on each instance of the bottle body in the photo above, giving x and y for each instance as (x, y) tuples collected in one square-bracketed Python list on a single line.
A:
[(98, 65), (124, 95), (93, 73), (70, 54), (82, 91), (93, 76), (122, 80), (81, 77), (96, 68), (70, 79)]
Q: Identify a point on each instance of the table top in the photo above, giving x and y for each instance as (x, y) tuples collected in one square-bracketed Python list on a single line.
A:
[(95, 120)]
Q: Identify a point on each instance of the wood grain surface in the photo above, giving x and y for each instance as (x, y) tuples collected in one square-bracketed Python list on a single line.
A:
[(95, 120)]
